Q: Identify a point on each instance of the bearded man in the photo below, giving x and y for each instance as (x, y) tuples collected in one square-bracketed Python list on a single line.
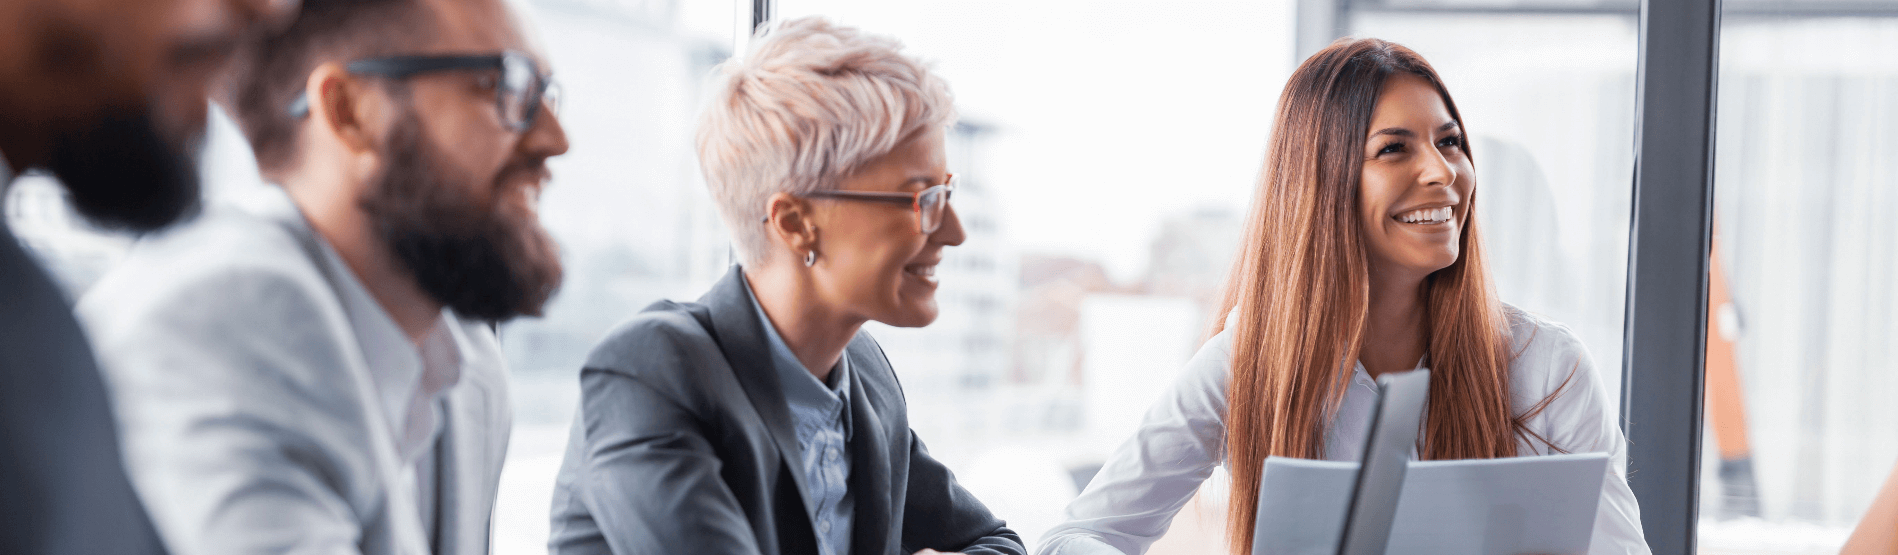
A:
[(107, 96), (316, 371)]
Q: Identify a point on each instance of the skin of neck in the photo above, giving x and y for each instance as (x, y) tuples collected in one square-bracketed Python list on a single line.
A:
[(1394, 327), (22, 138), (816, 333), (35, 105), (26, 129), (327, 194), (21, 147)]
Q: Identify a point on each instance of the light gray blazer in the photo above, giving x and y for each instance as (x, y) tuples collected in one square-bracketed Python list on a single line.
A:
[(249, 418)]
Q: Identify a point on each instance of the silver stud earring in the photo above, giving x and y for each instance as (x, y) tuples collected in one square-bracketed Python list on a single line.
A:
[(810, 258)]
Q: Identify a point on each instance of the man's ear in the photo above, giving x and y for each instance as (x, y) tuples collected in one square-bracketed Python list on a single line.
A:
[(791, 221), (341, 105)]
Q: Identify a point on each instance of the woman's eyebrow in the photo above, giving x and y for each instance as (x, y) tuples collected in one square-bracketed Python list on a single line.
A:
[(923, 180), (1402, 132)]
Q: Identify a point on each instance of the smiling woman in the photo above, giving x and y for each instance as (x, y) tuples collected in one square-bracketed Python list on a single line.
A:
[(1362, 257), (777, 422), (1415, 188)]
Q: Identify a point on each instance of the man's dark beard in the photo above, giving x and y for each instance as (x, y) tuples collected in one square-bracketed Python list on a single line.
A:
[(123, 175), (482, 262)]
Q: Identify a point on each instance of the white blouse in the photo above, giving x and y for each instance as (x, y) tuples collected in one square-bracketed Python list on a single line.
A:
[(1131, 502)]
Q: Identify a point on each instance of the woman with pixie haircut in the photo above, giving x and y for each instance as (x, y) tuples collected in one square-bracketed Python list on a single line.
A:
[(761, 419), (1361, 257)]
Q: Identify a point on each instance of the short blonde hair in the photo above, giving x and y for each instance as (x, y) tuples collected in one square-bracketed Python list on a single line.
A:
[(811, 103)]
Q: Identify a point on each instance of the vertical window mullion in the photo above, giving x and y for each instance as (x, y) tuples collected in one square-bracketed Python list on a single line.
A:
[(1664, 345), (762, 11), (749, 16)]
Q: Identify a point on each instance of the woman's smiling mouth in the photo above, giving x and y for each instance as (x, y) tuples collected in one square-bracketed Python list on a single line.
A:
[(1426, 216), (925, 272)]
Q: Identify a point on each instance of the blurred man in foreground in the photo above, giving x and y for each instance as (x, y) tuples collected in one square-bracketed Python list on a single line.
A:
[(107, 95), (316, 371)]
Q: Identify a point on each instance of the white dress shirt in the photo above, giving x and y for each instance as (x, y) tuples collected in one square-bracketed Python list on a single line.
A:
[(1132, 500), (409, 383)]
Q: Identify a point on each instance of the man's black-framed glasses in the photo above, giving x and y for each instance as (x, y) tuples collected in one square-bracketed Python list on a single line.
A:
[(519, 86), (931, 205)]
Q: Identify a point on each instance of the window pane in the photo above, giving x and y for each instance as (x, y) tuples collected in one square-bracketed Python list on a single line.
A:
[(627, 206), (1107, 153), (1800, 426)]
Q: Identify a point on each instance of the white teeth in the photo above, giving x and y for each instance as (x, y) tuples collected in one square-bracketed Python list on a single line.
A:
[(925, 271), (1426, 215)]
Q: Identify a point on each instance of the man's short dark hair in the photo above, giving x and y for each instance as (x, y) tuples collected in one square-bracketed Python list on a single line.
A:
[(267, 77)]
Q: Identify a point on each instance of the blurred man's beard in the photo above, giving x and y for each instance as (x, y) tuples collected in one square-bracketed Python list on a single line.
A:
[(483, 262), (122, 174)]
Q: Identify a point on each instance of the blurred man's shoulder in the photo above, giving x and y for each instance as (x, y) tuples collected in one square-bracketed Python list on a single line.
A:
[(227, 259)]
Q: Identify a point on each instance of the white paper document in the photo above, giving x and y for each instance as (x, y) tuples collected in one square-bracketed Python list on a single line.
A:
[(1514, 506)]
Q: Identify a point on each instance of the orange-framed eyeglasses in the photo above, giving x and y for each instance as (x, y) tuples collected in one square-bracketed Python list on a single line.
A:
[(931, 204)]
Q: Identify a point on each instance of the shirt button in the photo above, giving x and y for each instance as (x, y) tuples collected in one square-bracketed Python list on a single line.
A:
[(824, 526)]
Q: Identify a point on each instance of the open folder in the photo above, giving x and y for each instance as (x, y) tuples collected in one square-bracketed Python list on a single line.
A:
[(1386, 503), (1466, 507)]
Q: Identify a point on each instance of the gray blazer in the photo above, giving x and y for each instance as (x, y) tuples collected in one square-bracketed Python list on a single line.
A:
[(251, 422), (62, 489), (684, 443)]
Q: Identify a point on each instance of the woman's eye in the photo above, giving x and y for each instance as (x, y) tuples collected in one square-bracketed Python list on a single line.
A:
[(1391, 148), (1455, 141)]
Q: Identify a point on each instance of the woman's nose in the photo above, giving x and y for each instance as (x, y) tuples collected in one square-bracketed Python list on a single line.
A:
[(1437, 170), (950, 233)]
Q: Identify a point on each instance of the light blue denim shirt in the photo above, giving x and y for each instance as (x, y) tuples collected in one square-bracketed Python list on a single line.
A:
[(822, 416)]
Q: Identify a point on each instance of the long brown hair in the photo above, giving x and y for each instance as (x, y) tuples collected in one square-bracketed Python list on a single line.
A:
[(1300, 288)]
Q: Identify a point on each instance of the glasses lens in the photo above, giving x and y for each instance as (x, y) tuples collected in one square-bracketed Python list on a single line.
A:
[(933, 203), (518, 90), (517, 74), (551, 97)]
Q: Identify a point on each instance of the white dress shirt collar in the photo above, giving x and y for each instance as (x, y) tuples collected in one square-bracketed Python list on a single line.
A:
[(408, 377)]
